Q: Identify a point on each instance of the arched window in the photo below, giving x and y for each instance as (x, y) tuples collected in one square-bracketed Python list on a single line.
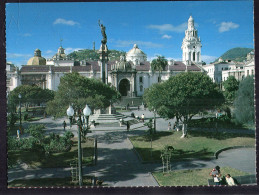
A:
[(193, 56)]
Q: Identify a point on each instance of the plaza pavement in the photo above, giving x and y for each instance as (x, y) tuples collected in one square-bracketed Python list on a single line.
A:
[(117, 163)]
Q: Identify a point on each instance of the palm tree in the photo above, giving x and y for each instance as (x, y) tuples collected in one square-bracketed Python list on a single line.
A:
[(159, 65)]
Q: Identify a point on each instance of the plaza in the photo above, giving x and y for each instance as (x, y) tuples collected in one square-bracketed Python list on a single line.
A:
[(160, 101), (119, 165)]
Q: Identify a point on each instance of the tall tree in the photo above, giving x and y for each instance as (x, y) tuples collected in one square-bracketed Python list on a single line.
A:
[(230, 88), (244, 102), (79, 91), (30, 95), (159, 65), (183, 96)]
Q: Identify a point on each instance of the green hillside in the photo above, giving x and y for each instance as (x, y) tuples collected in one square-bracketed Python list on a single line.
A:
[(91, 55), (236, 54)]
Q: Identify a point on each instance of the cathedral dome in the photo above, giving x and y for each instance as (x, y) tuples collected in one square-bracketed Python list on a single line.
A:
[(136, 54), (60, 55), (37, 59)]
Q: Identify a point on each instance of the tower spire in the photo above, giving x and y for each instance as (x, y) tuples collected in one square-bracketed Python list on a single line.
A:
[(191, 45), (61, 42)]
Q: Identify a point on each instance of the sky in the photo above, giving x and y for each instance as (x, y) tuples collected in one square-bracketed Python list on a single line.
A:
[(156, 27)]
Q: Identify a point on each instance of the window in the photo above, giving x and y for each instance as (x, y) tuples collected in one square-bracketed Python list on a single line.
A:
[(141, 88), (141, 79), (247, 72), (252, 72)]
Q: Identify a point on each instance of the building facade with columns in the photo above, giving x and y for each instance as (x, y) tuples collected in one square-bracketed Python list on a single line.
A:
[(131, 75)]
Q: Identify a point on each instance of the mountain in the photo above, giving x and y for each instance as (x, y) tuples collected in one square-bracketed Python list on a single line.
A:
[(236, 54), (92, 55)]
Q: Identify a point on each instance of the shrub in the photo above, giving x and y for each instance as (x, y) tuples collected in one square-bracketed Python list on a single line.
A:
[(12, 143), (12, 118), (25, 116), (36, 131), (68, 135)]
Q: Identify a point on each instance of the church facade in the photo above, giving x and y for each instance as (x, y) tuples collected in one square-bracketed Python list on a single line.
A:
[(131, 75)]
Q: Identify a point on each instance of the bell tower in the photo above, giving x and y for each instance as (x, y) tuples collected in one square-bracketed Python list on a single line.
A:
[(191, 45)]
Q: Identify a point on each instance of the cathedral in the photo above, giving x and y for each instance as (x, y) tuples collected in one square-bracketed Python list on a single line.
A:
[(131, 75)]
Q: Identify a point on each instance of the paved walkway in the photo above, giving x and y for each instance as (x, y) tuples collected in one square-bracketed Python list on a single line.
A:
[(118, 165)]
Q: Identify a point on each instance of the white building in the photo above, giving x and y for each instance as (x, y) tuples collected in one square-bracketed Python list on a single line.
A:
[(221, 70), (11, 77), (131, 75), (60, 59), (191, 45), (214, 70), (236, 69), (249, 67)]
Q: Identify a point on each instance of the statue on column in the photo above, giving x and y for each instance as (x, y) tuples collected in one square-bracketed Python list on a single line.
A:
[(104, 40)]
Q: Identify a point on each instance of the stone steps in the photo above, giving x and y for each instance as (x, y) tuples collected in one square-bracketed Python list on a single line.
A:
[(107, 118)]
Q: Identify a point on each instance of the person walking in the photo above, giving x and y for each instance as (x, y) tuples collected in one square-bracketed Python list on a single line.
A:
[(64, 125), (128, 126), (143, 118), (18, 134)]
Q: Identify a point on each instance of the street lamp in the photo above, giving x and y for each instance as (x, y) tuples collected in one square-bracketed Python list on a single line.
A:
[(20, 97), (70, 113), (87, 113), (154, 120)]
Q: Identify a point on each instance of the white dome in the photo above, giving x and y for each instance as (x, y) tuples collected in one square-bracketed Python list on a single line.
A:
[(136, 54)]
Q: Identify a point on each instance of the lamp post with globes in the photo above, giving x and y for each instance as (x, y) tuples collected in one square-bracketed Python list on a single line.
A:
[(20, 97), (87, 113), (70, 113)]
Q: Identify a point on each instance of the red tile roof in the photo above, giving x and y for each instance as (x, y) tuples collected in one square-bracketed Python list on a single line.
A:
[(94, 66)]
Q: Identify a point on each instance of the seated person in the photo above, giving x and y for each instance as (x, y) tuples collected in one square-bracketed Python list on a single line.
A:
[(230, 181), (215, 173)]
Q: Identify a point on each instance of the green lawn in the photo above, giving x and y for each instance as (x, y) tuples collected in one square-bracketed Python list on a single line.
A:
[(48, 182), (61, 159), (200, 145), (192, 177)]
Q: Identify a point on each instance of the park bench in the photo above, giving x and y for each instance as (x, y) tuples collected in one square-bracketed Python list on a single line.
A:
[(239, 180)]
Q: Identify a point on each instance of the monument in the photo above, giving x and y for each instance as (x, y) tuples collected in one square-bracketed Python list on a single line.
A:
[(103, 55)]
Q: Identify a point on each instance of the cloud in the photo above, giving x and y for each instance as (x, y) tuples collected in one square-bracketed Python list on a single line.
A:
[(166, 37), (18, 55), (130, 43), (208, 59), (70, 49), (169, 27), (227, 26), (65, 22)]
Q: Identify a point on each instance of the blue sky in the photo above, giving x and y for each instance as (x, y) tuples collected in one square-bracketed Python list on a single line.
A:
[(157, 27)]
